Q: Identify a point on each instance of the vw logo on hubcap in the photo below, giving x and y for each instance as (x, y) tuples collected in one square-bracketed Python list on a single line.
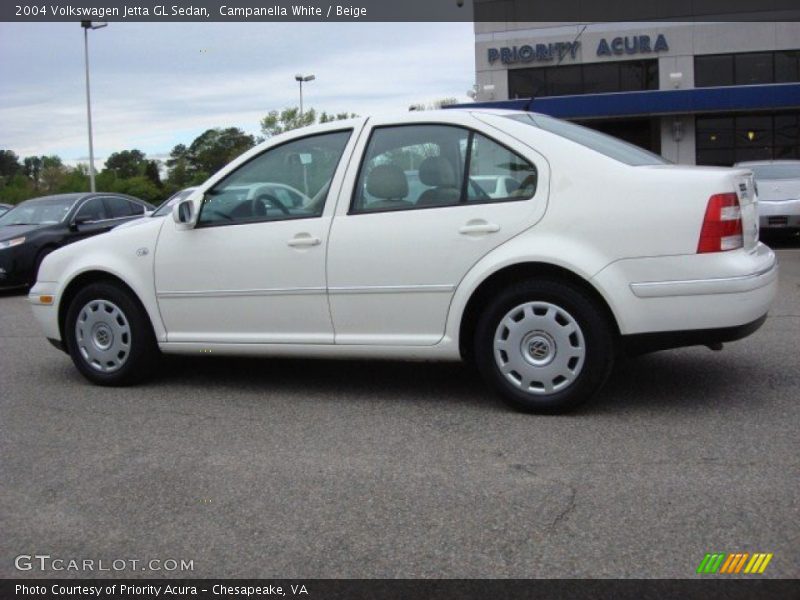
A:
[(103, 337), (538, 348)]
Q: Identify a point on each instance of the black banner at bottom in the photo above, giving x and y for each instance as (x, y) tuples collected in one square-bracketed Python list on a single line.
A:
[(406, 589)]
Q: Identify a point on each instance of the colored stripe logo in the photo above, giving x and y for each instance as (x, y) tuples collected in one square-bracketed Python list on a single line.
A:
[(734, 563)]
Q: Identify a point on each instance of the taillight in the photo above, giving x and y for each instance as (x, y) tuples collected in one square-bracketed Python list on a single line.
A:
[(722, 225)]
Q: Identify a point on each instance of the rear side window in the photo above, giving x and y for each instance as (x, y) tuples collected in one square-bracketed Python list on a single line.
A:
[(425, 166), (599, 142)]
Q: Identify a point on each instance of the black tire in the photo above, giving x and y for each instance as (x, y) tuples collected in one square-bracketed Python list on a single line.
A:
[(117, 317), (539, 319)]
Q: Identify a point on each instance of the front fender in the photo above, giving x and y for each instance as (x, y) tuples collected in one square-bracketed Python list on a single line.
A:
[(126, 254)]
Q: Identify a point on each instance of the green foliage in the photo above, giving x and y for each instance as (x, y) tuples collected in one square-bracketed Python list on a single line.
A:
[(289, 118), (326, 118), (9, 164), (128, 163), (208, 153)]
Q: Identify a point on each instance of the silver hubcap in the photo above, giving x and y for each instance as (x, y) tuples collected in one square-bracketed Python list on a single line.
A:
[(103, 335), (539, 348)]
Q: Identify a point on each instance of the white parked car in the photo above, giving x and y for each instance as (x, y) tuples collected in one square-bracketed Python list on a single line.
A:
[(601, 248)]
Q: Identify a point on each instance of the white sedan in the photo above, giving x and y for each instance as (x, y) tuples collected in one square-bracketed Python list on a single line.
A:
[(601, 248)]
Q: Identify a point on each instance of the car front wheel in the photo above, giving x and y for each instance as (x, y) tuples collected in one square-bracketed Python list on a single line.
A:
[(544, 346), (109, 336)]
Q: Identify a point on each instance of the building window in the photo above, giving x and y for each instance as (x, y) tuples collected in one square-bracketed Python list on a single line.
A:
[(747, 68), (725, 140), (592, 78)]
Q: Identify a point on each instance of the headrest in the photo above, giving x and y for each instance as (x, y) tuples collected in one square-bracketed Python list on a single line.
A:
[(436, 171), (387, 182)]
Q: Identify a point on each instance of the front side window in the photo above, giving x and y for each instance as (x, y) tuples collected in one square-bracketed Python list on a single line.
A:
[(289, 181), (423, 166), (91, 211)]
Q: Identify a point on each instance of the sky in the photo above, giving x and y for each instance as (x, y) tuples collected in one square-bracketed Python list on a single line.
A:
[(155, 85)]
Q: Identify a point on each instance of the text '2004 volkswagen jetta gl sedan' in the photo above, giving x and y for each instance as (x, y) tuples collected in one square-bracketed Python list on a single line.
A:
[(393, 250)]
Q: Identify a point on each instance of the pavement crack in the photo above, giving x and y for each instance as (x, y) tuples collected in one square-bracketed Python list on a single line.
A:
[(565, 512)]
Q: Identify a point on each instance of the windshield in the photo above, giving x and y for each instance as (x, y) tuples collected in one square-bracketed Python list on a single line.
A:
[(39, 211), (166, 207), (776, 171), (599, 142)]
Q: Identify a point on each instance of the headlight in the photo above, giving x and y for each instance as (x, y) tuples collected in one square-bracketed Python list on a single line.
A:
[(11, 243)]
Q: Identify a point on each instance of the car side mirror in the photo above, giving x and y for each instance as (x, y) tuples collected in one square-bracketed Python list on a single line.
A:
[(183, 214), (78, 221)]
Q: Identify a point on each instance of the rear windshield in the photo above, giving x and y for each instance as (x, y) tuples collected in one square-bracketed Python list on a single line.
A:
[(599, 142)]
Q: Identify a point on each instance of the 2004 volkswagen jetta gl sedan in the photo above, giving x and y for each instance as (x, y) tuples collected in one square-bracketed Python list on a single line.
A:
[(395, 251)]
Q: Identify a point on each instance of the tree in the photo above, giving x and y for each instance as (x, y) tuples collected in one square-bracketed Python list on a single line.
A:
[(153, 172), (34, 169), (9, 164), (435, 105), (326, 118), (128, 163), (289, 118), (215, 148), (179, 175)]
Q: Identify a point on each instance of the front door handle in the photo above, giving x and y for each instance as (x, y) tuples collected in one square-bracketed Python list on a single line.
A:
[(478, 226), (304, 240)]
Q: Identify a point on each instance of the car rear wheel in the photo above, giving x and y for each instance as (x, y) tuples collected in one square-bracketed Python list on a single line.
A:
[(109, 336), (544, 346)]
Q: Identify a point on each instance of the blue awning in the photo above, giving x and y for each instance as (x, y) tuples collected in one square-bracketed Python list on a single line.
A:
[(774, 96)]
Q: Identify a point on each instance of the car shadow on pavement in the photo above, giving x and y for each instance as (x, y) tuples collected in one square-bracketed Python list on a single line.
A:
[(661, 381), (682, 379), (339, 380)]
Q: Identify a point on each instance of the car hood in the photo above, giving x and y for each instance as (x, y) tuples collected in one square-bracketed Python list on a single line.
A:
[(14, 231), (778, 189)]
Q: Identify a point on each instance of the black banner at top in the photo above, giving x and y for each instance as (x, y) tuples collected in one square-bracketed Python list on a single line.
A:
[(507, 11)]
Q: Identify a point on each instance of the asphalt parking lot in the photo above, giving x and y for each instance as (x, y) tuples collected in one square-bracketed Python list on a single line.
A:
[(301, 469)]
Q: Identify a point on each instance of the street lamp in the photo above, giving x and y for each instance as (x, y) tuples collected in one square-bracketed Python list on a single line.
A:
[(87, 25), (300, 79)]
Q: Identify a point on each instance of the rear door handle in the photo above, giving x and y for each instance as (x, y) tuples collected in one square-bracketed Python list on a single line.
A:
[(304, 240), (478, 226)]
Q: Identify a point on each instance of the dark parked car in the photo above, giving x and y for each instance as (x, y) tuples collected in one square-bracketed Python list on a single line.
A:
[(4, 208), (36, 227)]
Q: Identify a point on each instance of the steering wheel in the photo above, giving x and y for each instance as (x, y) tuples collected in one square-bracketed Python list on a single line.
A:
[(270, 199), (479, 191)]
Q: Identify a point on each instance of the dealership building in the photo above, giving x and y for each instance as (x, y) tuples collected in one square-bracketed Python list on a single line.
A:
[(697, 93)]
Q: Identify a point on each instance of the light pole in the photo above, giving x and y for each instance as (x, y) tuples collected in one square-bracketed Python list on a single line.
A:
[(300, 79), (87, 25)]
